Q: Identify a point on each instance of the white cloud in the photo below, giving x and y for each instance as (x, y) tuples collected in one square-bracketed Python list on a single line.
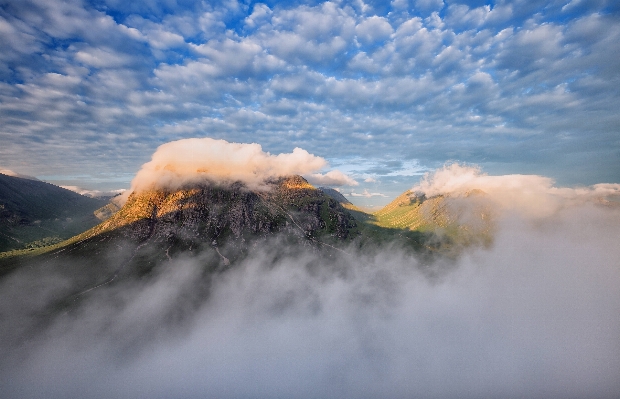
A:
[(461, 15), (162, 39), (260, 14), (373, 29), (425, 87), (532, 195), (570, 4), (102, 58), (429, 5), (331, 178), (9, 172), (533, 315), (400, 4), (197, 160), (94, 193), (366, 194)]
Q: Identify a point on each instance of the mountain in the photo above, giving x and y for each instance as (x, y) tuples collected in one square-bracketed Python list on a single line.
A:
[(36, 213), (335, 195), (223, 222), (215, 228), (223, 225), (229, 215), (463, 219)]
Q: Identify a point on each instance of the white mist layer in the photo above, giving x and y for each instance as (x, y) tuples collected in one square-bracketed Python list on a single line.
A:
[(94, 193), (531, 195), (534, 315), (179, 163)]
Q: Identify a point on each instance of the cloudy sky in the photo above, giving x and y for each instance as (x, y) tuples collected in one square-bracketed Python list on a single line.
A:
[(383, 91)]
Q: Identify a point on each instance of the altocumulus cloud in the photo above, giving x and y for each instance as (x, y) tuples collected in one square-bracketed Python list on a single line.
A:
[(96, 86)]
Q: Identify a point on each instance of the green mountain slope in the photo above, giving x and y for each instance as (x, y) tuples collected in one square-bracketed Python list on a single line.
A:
[(32, 211), (462, 220)]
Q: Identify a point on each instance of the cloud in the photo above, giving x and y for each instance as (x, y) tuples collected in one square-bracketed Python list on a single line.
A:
[(429, 5), (94, 193), (260, 12), (532, 195), (101, 58), (188, 161), (9, 172), (331, 178), (515, 88), (366, 194), (373, 29)]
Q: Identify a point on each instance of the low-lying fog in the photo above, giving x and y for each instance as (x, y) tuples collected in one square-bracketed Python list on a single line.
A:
[(536, 314)]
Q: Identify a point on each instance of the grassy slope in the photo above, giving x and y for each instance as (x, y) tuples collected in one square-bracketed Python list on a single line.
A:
[(32, 210)]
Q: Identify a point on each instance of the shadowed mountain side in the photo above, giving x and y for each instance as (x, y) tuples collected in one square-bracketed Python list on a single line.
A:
[(356, 212), (38, 213), (335, 195)]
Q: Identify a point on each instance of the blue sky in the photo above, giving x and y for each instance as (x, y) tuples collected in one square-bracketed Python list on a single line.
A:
[(383, 90)]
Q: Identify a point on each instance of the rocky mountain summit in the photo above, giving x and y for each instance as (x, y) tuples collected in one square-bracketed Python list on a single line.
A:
[(226, 221), (217, 215)]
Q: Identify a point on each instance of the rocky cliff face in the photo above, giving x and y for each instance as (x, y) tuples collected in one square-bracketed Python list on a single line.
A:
[(209, 216), (219, 224)]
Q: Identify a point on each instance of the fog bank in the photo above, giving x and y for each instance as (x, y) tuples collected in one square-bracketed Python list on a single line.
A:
[(533, 315), (533, 196)]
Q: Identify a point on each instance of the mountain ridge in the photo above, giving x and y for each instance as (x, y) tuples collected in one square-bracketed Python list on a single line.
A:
[(212, 218), (32, 210)]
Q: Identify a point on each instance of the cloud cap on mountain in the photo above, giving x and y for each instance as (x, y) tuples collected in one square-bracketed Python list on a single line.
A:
[(182, 162), (531, 195)]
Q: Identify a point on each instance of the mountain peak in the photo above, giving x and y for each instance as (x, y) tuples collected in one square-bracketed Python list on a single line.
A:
[(226, 219), (294, 182)]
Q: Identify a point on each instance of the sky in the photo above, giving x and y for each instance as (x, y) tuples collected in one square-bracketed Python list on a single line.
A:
[(383, 91)]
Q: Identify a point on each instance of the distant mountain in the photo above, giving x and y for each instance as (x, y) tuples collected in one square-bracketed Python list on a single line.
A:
[(335, 195), (458, 219), (38, 213)]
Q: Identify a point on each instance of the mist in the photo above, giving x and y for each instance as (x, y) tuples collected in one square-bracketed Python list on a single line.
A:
[(535, 314), (532, 196)]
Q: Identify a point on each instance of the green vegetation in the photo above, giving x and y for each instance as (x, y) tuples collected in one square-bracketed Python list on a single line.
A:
[(35, 212)]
